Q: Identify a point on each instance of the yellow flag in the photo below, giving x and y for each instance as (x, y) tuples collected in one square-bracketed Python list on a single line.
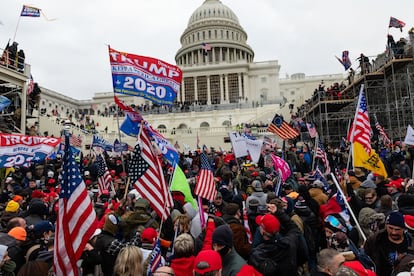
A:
[(370, 162)]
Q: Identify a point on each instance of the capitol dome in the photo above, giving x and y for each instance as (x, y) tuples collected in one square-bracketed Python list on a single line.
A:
[(213, 9), (216, 25)]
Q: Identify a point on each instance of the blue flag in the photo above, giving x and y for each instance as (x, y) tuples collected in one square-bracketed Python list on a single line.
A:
[(119, 147), (167, 149), (129, 127), (102, 143), (4, 102), (155, 260)]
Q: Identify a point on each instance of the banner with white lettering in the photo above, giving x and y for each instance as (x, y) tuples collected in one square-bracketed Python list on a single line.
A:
[(239, 144), (147, 77), (21, 150)]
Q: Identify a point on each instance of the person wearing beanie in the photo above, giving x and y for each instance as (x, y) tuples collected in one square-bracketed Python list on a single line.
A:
[(258, 194), (19, 233), (17, 252), (12, 210), (105, 240), (387, 245), (276, 254), (223, 243), (233, 217)]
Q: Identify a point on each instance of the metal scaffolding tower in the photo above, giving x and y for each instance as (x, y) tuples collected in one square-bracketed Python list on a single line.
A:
[(390, 96)]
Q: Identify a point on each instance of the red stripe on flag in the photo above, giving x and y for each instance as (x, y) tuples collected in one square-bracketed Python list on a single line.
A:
[(76, 220), (205, 187), (151, 184)]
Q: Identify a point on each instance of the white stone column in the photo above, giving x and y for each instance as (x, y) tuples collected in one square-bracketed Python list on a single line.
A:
[(246, 86), (195, 89), (240, 85), (221, 89), (208, 91), (182, 91), (226, 83)]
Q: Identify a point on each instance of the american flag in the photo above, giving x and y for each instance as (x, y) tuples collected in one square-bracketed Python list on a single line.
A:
[(206, 46), (147, 177), (361, 129), (30, 86), (321, 154), (395, 23), (75, 140), (205, 187), (382, 135), (281, 128), (104, 177), (155, 259), (76, 219)]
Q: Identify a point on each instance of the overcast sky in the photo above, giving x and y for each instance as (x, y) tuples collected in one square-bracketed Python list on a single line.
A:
[(69, 55)]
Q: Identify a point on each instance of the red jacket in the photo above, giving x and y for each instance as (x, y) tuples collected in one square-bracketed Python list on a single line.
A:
[(183, 266)]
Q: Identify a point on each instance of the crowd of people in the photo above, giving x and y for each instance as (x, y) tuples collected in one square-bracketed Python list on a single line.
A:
[(250, 228)]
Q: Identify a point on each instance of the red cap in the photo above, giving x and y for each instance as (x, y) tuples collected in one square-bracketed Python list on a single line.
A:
[(409, 222), (211, 257), (269, 223), (37, 194), (248, 270), (357, 267), (149, 235), (394, 183)]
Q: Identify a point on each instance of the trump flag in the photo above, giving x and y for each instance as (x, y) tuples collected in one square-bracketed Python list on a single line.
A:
[(146, 77)]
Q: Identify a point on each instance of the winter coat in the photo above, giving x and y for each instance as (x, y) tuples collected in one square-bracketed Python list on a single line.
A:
[(278, 255), (384, 253)]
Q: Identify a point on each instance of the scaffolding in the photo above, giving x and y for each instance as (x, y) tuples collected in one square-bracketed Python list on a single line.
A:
[(390, 97)]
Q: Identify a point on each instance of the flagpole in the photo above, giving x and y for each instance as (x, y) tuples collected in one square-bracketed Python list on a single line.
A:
[(314, 151), (338, 187), (119, 130), (17, 26), (353, 129)]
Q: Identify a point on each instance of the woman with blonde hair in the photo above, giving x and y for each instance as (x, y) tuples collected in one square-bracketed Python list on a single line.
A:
[(129, 262)]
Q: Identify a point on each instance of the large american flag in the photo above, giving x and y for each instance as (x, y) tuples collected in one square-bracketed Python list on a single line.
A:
[(281, 128), (321, 154), (147, 177), (205, 187), (76, 219), (361, 130), (104, 177)]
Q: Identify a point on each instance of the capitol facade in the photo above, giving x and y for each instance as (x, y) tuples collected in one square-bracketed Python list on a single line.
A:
[(222, 87)]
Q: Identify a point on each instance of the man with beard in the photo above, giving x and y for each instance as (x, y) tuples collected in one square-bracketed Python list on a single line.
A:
[(386, 246)]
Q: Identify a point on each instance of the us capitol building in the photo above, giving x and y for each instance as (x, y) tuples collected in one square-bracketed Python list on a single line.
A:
[(221, 88)]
